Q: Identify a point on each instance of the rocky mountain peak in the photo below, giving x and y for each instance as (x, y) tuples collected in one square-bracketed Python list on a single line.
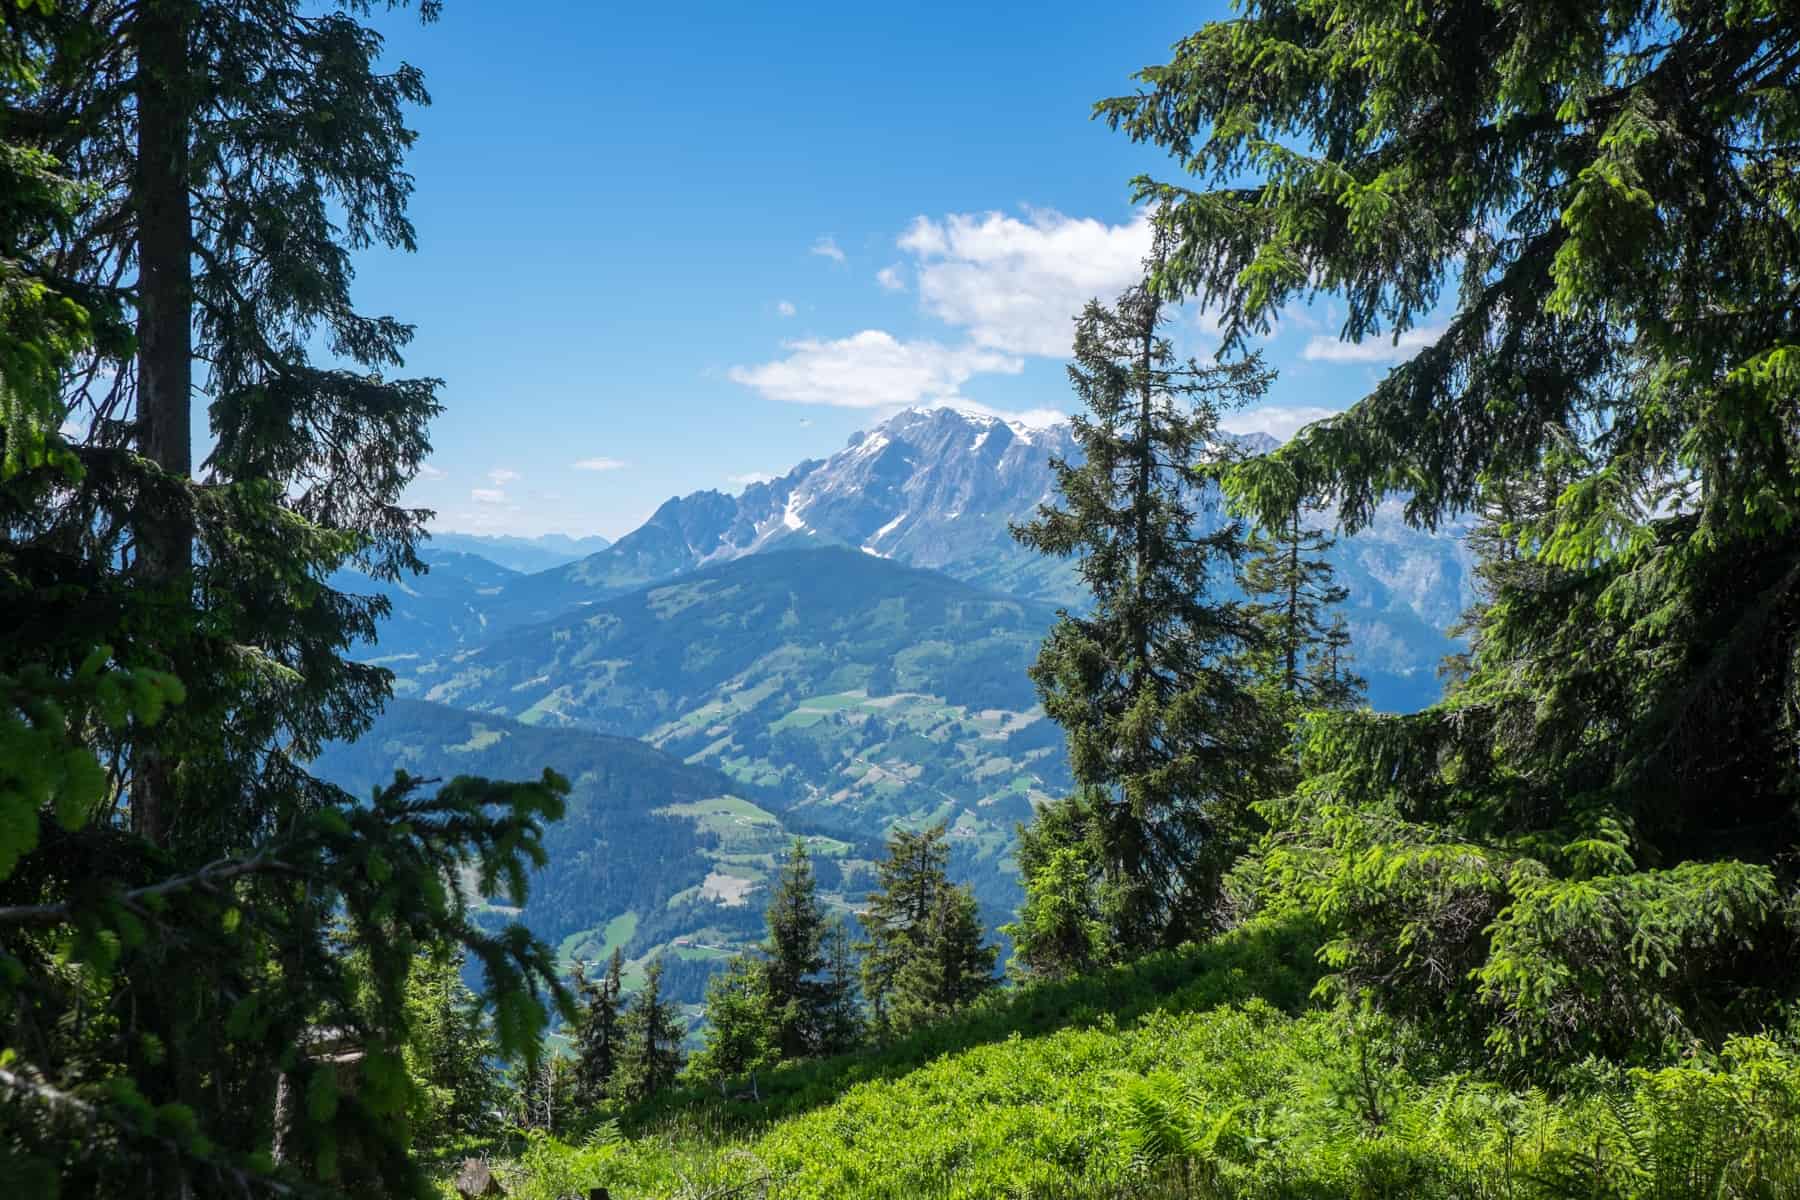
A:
[(940, 488)]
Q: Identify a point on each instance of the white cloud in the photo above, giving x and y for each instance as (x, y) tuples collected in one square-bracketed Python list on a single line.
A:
[(785, 308), (1017, 285), (872, 369), (749, 477), (427, 471), (488, 496), (1374, 350), (1279, 421), (827, 247), (891, 279), (599, 464), (502, 476)]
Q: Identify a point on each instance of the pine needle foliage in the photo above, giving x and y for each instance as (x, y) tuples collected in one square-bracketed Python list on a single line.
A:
[(1588, 848), (799, 991), (258, 940), (924, 958), (650, 1054), (186, 915), (596, 1032), (1292, 586), (1604, 196), (742, 1036)]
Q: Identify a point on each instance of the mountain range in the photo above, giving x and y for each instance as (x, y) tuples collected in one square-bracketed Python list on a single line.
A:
[(832, 653), (939, 488)]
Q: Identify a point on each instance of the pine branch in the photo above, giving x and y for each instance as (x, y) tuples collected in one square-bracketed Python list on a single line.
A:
[(206, 878), (13, 1084)]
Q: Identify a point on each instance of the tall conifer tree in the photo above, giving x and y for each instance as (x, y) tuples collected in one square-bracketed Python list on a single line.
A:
[(948, 968), (841, 1019), (795, 949), (1167, 738), (222, 163), (924, 956), (1593, 206), (596, 1033)]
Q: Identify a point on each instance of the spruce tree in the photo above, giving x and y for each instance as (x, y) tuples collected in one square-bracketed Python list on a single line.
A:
[(450, 1055), (949, 967), (238, 156), (1331, 678), (897, 912), (796, 958), (1061, 930), (596, 1033), (1168, 740), (840, 1016), (184, 181), (1592, 206), (924, 956), (650, 1041), (1292, 585)]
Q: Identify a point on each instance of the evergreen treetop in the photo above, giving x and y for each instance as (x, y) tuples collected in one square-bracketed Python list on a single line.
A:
[(1293, 585)]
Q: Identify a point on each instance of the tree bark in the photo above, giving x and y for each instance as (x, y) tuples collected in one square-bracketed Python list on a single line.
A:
[(1293, 612), (165, 533)]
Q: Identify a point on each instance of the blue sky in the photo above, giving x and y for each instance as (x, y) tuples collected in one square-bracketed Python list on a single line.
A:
[(672, 247)]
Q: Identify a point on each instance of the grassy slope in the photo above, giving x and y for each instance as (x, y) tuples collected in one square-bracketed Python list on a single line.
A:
[(1211, 1060)]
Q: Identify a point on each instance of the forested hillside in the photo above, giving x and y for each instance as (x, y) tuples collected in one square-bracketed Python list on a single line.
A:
[(855, 692), (649, 850)]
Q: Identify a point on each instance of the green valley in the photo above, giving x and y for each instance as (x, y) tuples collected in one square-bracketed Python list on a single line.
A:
[(854, 692), (652, 856)]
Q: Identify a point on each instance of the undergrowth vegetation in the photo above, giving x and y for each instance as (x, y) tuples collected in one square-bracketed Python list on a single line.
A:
[(1198, 1073)]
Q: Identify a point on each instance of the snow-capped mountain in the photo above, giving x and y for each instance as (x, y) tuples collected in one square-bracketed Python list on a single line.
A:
[(939, 488), (930, 488)]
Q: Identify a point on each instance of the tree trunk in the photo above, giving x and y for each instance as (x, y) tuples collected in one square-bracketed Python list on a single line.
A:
[(165, 533), (1293, 613), (1140, 497)]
